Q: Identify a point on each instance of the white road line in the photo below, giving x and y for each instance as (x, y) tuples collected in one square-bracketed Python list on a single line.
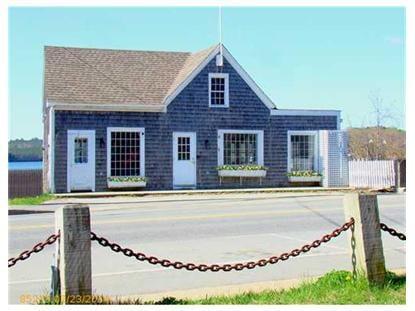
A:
[(280, 236), (105, 274), (306, 241)]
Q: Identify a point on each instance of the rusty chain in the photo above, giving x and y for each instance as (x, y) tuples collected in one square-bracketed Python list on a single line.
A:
[(35, 249), (393, 232), (226, 267)]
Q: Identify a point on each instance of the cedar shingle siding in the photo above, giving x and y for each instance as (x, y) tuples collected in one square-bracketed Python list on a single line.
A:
[(190, 111)]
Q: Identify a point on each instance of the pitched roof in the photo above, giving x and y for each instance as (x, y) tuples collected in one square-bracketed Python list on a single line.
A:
[(102, 76), (102, 79)]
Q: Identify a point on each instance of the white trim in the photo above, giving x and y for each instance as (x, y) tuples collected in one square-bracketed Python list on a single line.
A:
[(174, 139), (125, 184), (90, 148), (260, 143), (142, 146), (308, 112), (242, 173), (245, 76), (316, 149), (51, 155), (226, 92), (232, 61), (304, 178), (169, 98), (106, 107)]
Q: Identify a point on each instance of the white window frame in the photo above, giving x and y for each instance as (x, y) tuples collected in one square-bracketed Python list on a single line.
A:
[(142, 146), (260, 144), (226, 93), (316, 149)]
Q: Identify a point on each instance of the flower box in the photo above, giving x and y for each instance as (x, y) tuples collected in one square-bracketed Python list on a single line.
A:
[(126, 182), (304, 178), (242, 173)]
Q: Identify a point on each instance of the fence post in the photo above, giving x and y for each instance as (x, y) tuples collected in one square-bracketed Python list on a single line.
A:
[(366, 239), (74, 249)]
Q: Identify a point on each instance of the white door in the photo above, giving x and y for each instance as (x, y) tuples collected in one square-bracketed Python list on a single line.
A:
[(184, 159), (81, 160)]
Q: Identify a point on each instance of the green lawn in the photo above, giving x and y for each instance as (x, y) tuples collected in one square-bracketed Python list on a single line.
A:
[(334, 288), (31, 200), (337, 287)]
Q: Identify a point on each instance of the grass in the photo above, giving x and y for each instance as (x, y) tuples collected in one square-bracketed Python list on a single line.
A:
[(31, 200), (337, 287)]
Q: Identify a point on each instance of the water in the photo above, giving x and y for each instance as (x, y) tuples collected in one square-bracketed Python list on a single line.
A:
[(33, 165)]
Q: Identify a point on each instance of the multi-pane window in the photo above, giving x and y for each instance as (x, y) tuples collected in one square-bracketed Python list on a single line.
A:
[(240, 149), (302, 152), (125, 153), (218, 92), (81, 150), (183, 148)]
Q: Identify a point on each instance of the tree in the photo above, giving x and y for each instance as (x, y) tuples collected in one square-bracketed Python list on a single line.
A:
[(378, 142)]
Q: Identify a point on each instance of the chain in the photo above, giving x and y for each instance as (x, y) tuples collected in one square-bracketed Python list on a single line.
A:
[(393, 232), (35, 249), (226, 267)]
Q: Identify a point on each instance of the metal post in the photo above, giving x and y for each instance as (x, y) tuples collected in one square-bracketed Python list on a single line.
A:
[(73, 223), (367, 249)]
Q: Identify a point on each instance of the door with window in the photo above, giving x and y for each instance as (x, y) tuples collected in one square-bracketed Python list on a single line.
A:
[(184, 160), (81, 160)]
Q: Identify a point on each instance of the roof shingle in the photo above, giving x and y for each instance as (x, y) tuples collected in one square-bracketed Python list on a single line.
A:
[(101, 76)]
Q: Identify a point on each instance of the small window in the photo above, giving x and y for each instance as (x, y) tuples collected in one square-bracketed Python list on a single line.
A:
[(183, 148), (81, 150), (302, 152), (218, 90)]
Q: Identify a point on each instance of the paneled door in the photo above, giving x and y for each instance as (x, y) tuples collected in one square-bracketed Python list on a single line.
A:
[(184, 159), (81, 160)]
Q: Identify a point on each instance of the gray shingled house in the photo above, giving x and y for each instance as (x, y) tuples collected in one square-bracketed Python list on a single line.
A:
[(119, 119)]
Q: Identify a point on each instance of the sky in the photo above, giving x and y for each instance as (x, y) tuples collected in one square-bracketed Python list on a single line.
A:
[(303, 58)]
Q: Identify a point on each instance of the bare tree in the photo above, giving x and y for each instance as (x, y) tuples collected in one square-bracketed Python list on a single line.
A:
[(382, 114), (379, 141)]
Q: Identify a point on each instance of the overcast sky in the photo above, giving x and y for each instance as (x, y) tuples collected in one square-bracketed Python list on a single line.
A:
[(309, 58)]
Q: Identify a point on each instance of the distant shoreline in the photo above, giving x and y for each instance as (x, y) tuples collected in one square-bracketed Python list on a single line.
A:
[(25, 165), (18, 161)]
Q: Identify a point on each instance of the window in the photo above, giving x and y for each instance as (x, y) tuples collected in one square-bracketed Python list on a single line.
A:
[(81, 150), (183, 148), (240, 147), (218, 90), (125, 152), (302, 149)]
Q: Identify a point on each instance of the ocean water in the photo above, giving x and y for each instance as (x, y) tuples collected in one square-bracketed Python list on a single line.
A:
[(34, 165)]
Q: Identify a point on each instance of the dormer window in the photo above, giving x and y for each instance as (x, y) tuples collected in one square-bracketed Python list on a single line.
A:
[(218, 90)]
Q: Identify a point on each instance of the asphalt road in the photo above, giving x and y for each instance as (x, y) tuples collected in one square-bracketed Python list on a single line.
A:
[(201, 229)]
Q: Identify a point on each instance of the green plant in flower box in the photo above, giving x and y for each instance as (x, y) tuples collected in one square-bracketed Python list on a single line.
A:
[(247, 167), (303, 174), (127, 179)]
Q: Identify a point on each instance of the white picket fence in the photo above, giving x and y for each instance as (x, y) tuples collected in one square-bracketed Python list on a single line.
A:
[(372, 174)]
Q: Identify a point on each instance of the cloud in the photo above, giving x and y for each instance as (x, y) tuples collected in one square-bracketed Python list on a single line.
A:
[(394, 40)]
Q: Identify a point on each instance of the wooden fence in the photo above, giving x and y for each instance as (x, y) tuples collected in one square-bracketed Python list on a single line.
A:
[(373, 174), (23, 183)]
